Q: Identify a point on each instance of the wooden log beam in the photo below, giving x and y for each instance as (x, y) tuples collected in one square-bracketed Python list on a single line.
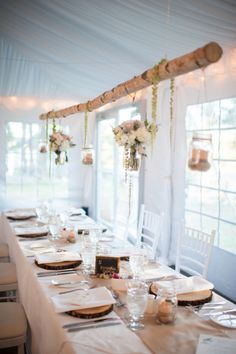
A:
[(199, 58)]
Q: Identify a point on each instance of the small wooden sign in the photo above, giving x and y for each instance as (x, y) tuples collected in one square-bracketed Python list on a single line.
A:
[(107, 265)]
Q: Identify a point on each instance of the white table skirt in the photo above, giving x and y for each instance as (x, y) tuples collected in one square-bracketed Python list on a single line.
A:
[(48, 336)]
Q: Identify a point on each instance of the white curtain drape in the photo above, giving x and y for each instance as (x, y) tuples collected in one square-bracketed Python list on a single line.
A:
[(165, 166), (27, 110)]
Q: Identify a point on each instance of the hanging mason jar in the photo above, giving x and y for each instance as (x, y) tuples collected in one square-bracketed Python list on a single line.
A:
[(200, 152), (87, 155), (131, 159), (43, 147)]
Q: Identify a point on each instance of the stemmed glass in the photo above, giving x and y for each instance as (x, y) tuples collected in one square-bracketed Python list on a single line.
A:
[(137, 299)]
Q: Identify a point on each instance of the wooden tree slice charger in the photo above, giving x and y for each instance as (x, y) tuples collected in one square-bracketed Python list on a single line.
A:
[(194, 298), (92, 312), (33, 235), (59, 265)]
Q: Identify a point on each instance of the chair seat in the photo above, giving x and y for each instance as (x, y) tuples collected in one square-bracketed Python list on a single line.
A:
[(4, 250), (12, 320), (7, 273)]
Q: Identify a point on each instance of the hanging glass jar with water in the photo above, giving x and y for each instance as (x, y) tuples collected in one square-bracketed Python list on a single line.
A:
[(200, 152), (87, 155)]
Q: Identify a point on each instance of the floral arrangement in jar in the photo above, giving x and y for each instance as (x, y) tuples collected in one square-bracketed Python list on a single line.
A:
[(134, 135), (60, 143)]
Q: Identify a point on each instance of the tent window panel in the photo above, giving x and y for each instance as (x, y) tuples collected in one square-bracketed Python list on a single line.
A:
[(112, 196), (27, 171), (211, 195)]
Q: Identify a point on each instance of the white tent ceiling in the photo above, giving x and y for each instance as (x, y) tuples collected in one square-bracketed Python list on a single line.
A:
[(81, 48)]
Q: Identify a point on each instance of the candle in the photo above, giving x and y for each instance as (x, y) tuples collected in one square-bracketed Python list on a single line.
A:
[(166, 311)]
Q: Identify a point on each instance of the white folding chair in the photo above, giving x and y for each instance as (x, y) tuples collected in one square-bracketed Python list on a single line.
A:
[(149, 230), (8, 282), (13, 326), (194, 251), (4, 252)]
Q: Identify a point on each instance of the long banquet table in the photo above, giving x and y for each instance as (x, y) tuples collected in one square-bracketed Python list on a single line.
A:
[(49, 337)]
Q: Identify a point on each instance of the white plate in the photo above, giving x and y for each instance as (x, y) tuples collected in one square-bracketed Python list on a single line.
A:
[(225, 320)]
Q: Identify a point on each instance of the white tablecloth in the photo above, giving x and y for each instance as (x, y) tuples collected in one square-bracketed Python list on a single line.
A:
[(49, 337)]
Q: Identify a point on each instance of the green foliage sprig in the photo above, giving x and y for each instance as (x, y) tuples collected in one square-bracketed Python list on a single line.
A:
[(85, 126), (155, 82), (172, 92)]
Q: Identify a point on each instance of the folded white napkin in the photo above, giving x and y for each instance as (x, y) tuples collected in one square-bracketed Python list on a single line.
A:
[(33, 230), (82, 299), (186, 285), (57, 257), (20, 214)]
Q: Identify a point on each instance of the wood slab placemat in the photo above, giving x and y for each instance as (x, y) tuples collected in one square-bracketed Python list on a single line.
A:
[(194, 298), (41, 234), (93, 312), (59, 265)]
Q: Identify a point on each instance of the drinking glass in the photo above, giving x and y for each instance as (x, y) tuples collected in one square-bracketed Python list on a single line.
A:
[(88, 255), (137, 299), (55, 231), (137, 261)]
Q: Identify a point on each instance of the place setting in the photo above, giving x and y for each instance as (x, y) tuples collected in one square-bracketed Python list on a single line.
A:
[(21, 214)]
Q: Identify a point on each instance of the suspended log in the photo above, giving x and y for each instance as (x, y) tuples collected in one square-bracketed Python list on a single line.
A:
[(200, 58)]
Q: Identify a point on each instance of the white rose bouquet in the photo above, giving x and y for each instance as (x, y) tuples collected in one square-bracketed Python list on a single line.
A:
[(134, 135), (60, 143)]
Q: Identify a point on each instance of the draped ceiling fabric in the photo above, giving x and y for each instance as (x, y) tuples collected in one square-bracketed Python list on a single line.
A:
[(81, 48)]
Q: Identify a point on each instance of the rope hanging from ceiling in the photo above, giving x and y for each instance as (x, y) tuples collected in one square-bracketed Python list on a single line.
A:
[(199, 58)]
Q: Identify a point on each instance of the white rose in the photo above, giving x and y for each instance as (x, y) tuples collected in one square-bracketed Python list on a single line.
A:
[(65, 145), (131, 138), (142, 135)]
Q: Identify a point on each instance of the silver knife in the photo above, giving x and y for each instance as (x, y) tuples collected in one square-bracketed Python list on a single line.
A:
[(72, 290), (58, 272), (80, 324), (212, 313), (94, 326)]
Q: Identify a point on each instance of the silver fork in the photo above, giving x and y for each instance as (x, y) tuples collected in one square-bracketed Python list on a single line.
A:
[(119, 302), (205, 307)]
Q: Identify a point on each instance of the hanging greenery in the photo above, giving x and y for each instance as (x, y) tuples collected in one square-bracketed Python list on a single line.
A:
[(172, 92), (85, 126), (155, 83)]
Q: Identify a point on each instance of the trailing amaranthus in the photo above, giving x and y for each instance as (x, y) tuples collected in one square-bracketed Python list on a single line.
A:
[(155, 83), (172, 92), (85, 126)]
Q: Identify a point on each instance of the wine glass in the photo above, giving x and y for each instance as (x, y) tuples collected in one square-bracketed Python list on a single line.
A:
[(137, 299)]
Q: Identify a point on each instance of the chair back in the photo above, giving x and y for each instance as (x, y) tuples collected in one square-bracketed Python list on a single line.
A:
[(149, 230), (194, 251)]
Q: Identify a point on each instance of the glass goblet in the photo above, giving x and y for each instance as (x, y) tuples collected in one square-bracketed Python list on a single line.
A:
[(137, 299)]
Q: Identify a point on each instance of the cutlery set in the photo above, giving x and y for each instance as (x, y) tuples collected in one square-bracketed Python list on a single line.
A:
[(211, 309), (57, 272), (103, 322)]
